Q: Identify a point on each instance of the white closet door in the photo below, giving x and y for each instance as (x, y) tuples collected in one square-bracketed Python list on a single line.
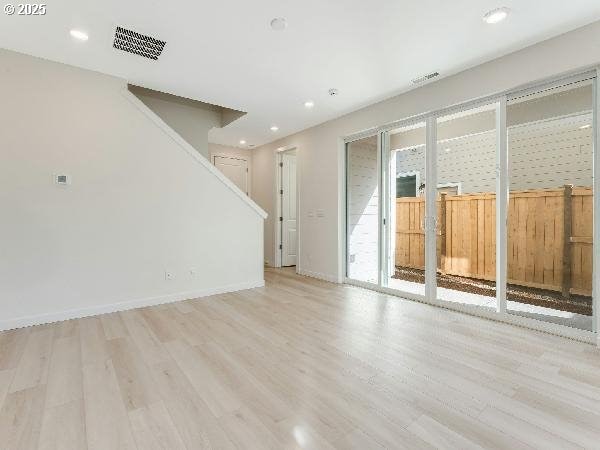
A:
[(289, 230)]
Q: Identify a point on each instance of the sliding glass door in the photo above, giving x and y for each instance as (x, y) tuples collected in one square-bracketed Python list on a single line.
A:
[(404, 149), (487, 207), (466, 207), (550, 212), (362, 206)]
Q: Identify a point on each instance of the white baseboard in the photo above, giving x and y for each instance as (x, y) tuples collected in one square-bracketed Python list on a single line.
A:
[(39, 319), (320, 276)]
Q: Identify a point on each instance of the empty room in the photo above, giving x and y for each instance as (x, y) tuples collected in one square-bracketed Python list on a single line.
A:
[(300, 225)]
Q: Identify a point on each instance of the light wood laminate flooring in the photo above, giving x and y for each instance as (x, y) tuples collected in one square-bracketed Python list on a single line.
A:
[(300, 363)]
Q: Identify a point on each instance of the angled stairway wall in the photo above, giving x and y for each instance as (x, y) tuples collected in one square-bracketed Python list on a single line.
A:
[(142, 202), (191, 119)]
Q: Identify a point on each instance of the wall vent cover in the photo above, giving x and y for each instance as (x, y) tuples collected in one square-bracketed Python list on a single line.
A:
[(427, 77), (138, 44)]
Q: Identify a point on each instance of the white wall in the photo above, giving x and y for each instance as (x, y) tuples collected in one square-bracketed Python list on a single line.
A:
[(139, 203), (320, 150), (192, 120), (233, 152)]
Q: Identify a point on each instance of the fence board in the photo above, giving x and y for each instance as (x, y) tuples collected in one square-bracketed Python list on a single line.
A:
[(536, 241)]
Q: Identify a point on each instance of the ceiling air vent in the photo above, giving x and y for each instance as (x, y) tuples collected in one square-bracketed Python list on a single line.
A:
[(139, 44), (424, 78)]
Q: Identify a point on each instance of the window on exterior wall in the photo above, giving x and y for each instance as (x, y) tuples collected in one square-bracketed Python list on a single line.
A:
[(406, 186)]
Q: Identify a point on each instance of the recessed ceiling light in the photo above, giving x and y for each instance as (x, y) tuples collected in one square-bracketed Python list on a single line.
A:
[(78, 34), (496, 15), (242, 142), (274, 128), (309, 104), (333, 91), (278, 24)]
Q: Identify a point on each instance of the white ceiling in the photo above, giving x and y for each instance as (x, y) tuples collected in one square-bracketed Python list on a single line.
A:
[(224, 52)]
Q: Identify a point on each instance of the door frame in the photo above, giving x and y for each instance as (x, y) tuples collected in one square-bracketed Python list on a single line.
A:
[(239, 158), (277, 224)]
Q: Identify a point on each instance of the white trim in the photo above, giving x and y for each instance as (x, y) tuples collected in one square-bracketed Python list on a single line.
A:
[(596, 210), (381, 190), (388, 200), (587, 337), (318, 275), (344, 273), (342, 208), (431, 218), (191, 151), (125, 305), (502, 193)]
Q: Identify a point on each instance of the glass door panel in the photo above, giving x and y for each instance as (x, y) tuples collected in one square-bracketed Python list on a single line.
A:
[(362, 197), (550, 214), (405, 154), (466, 207)]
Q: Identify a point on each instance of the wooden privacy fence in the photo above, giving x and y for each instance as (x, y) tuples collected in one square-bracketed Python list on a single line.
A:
[(538, 221)]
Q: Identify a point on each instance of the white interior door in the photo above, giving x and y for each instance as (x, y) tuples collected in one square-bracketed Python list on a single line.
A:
[(235, 169), (289, 231)]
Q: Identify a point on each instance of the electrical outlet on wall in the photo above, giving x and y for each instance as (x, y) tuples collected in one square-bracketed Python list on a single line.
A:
[(169, 275)]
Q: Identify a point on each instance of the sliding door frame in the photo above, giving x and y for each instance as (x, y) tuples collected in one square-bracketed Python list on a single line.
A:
[(502, 195), (596, 208), (385, 215), (345, 279), (431, 209)]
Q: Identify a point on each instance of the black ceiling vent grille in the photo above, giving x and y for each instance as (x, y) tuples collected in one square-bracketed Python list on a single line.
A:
[(427, 77), (138, 44)]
